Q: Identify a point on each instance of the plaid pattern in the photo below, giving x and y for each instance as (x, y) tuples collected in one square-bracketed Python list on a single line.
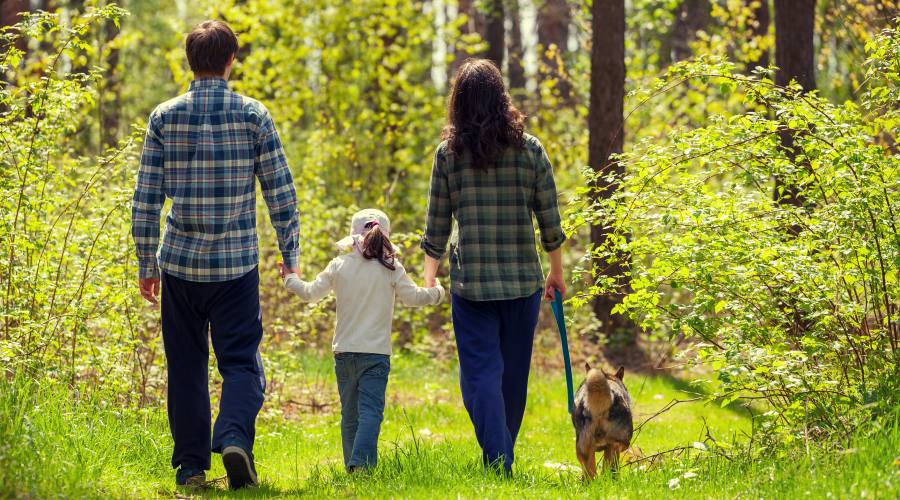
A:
[(494, 255), (204, 151)]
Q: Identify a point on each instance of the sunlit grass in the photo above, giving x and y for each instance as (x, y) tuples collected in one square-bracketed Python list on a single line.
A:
[(52, 447)]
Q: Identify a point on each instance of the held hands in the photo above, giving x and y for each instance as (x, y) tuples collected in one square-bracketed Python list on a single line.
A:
[(283, 270), (149, 289)]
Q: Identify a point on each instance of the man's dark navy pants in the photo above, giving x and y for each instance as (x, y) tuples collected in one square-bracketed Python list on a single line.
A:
[(228, 312), (494, 340)]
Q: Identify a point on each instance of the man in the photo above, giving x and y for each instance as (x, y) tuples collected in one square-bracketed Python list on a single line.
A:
[(204, 151)]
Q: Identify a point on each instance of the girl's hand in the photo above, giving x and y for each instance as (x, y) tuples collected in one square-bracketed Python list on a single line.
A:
[(554, 282), (282, 270)]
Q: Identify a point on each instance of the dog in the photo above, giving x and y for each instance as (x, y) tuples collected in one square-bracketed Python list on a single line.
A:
[(602, 419)]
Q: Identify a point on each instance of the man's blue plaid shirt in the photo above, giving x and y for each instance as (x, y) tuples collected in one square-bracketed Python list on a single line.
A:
[(204, 151)]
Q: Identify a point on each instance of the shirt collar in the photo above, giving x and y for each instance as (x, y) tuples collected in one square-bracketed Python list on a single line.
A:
[(209, 83)]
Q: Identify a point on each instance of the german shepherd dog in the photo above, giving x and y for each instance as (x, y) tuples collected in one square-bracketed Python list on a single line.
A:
[(602, 419)]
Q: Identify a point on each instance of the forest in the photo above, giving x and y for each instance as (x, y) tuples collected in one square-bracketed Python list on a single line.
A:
[(729, 183)]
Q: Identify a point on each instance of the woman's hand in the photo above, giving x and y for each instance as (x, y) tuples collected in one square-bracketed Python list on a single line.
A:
[(553, 283), (431, 268), (555, 279)]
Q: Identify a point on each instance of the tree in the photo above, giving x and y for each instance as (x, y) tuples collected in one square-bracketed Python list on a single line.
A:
[(494, 31), (553, 19), (487, 22), (606, 137), (474, 24), (515, 65), (759, 28), (794, 56), (691, 17), (110, 88), (11, 13)]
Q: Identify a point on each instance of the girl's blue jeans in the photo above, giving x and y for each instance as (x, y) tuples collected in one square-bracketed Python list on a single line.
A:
[(362, 381)]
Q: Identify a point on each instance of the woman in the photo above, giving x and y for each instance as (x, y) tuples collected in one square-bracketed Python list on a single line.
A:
[(492, 177)]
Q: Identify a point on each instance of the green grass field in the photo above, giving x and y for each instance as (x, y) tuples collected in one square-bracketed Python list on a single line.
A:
[(53, 446)]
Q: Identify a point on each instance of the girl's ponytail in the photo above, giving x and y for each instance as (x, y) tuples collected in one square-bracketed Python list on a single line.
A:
[(376, 245)]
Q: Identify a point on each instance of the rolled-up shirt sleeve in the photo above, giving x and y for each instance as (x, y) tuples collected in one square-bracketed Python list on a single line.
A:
[(438, 222), (546, 205)]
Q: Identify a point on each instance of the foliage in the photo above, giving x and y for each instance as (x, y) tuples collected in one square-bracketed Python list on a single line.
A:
[(65, 268), (350, 88), (807, 322)]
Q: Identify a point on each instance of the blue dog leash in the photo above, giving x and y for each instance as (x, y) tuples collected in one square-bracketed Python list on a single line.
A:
[(557, 306)]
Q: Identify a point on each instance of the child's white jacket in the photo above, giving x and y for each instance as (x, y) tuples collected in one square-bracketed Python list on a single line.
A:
[(365, 292)]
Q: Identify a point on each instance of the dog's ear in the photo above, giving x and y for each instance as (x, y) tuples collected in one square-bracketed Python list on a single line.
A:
[(620, 373), (587, 367)]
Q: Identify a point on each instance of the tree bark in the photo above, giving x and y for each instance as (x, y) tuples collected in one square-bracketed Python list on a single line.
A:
[(515, 51), (759, 29), (495, 32), (11, 13), (690, 17), (109, 104), (606, 137), (553, 20), (474, 24), (794, 56)]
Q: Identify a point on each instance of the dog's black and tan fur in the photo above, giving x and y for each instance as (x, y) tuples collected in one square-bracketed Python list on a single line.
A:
[(602, 419)]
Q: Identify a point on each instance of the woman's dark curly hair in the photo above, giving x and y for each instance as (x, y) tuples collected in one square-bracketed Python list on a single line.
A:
[(481, 118)]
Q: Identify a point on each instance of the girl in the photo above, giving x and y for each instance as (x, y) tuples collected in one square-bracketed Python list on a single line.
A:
[(365, 282), (492, 178)]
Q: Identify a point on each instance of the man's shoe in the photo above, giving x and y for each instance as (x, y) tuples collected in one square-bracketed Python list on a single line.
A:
[(190, 478), (239, 467)]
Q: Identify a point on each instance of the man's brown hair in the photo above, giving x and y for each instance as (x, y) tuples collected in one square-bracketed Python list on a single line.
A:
[(210, 47)]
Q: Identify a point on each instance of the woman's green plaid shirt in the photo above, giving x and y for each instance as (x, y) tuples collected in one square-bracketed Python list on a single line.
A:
[(494, 254)]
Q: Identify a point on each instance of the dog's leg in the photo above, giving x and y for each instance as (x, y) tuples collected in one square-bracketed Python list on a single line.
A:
[(583, 458), (611, 457), (591, 466)]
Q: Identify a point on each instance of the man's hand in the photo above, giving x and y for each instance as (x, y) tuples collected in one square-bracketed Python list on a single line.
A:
[(149, 289), (284, 270)]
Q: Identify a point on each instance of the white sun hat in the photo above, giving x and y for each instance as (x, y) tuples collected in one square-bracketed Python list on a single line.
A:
[(361, 223)]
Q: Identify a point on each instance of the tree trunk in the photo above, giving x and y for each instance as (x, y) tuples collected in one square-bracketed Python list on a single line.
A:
[(495, 32), (474, 24), (606, 129), (759, 29), (794, 26), (690, 17), (109, 103), (10, 14), (794, 56), (553, 19), (515, 51)]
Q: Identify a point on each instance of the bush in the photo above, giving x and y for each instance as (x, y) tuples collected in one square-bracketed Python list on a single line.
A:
[(793, 304), (67, 301)]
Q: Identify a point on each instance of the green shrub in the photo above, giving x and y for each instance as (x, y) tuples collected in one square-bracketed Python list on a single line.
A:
[(796, 305)]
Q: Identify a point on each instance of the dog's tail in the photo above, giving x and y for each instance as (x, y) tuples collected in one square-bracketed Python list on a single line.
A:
[(599, 396)]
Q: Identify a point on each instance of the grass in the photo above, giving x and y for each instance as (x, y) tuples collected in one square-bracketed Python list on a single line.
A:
[(52, 444)]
